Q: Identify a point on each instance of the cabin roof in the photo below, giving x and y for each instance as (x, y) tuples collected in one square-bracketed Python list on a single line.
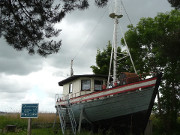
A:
[(69, 79)]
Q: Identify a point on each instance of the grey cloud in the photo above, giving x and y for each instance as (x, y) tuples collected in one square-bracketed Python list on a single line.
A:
[(11, 91), (11, 85), (11, 97), (98, 32), (17, 62), (18, 66)]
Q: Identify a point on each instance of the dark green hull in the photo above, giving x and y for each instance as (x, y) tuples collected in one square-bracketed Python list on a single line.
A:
[(118, 105)]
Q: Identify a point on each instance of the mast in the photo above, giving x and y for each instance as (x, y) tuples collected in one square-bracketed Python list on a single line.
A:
[(115, 15)]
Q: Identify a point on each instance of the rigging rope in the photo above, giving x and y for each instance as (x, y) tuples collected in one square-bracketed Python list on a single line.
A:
[(128, 50), (108, 82), (126, 12), (91, 33)]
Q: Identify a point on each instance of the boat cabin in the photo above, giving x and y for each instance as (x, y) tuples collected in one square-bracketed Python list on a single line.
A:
[(78, 85)]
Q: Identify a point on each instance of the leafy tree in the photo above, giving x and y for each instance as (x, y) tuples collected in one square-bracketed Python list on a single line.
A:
[(103, 61), (154, 44), (175, 3), (28, 24)]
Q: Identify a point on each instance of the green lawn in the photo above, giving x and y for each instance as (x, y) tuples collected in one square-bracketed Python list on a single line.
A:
[(45, 131)]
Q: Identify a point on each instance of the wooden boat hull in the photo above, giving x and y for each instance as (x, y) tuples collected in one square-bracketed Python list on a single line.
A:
[(126, 106), (114, 106)]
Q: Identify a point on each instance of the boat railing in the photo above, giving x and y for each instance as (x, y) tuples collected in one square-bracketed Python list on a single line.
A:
[(120, 82), (73, 95), (80, 93), (132, 79), (61, 97), (58, 97)]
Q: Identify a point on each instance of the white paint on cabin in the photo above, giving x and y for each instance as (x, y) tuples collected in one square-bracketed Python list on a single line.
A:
[(76, 86)]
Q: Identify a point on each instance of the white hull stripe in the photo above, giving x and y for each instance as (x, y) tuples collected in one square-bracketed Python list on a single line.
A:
[(113, 91)]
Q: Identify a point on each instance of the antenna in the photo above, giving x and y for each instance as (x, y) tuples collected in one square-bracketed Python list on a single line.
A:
[(71, 70)]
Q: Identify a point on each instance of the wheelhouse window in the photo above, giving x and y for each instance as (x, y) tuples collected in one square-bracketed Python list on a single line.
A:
[(85, 84), (98, 84), (70, 88)]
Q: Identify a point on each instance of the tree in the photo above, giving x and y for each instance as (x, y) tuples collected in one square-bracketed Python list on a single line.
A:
[(28, 24), (155, 46), (103, 61), (175, 3)]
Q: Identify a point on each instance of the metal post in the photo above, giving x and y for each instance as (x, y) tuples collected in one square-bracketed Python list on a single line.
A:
[(71, 70), (29, 126), (82, 117), (80, 121)]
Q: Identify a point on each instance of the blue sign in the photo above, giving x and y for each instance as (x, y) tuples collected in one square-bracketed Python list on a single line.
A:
[(29, 110)]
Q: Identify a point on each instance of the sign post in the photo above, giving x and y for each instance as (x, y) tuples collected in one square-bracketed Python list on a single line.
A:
[(29, 127), (29, 111)]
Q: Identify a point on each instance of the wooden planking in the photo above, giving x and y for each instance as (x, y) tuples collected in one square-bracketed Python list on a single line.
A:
[(115, 106)]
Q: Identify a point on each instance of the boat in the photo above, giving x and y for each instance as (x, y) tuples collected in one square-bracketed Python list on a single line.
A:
[(127, 104), (123, 102)]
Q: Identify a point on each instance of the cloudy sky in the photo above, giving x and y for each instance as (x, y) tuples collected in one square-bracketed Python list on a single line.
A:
[(34, 79)]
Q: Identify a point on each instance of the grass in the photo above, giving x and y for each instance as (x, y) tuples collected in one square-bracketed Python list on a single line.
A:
[(44, 131), (39, 125), (12, 119), (43, 125)]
